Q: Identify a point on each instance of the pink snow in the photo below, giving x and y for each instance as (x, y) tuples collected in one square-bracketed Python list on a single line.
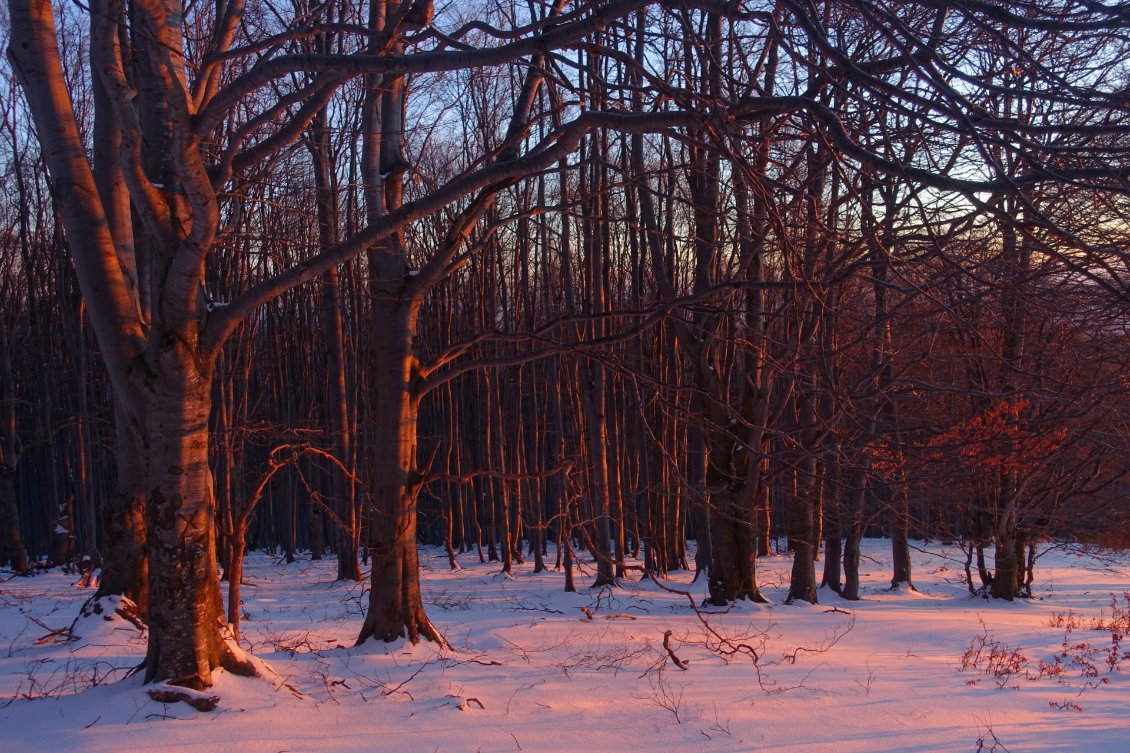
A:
[(530, 672)]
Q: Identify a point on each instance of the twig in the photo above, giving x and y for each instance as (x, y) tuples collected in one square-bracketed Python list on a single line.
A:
[(387, 691), (671, 652)]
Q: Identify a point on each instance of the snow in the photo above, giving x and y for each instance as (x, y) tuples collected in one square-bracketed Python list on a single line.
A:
[(531, 672)]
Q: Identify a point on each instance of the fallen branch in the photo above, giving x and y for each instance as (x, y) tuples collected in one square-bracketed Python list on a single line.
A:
[(671, 652)]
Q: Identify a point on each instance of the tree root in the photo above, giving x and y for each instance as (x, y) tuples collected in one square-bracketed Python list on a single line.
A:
[(237, 661), (168, 693)]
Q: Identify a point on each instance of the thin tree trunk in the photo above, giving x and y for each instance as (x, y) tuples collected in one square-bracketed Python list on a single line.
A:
[(853, 535), (12, 547)]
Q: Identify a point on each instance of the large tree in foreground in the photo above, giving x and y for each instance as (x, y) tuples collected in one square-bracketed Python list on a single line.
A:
[(143, 213)]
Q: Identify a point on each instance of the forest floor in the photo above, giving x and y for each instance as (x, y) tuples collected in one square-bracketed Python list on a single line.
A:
[(927, 670)]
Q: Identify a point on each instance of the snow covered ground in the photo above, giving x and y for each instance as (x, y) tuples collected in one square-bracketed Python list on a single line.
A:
[(531, 672)]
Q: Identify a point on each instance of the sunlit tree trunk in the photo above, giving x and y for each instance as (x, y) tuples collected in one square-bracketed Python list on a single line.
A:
[(159, 371), (185, 613), (396, 608)]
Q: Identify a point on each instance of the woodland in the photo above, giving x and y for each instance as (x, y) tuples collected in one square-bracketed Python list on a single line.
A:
[(667, 286)]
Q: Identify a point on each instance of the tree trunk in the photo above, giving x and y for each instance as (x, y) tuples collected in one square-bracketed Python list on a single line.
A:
[(13, 550), (900, 544), (833, 532), (732, 547), (185, 622), (802, 583), (765, 522), (12, 547), (853, 534), (341, 487), (801, 522), (1004, 580), (1007, 575), (596, 434), (317, 532), (396, 608), (125, 569), (235, 579), (833, 557)]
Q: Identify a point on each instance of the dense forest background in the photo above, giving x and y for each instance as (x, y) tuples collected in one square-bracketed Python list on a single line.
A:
[(760, 276)]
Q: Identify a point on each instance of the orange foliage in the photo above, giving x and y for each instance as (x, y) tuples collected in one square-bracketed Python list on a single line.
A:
[(998, 441), (995, 442)]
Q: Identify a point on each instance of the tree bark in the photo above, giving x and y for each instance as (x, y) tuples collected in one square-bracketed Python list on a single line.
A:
[(185, 622), (125, 569), (396, 607), (12, 547), (853, 533)]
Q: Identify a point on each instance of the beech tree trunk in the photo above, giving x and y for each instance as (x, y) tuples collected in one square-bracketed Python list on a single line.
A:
[(732, 548), (185, 614), (1008, 570), (853, 532), (342, 487), (157, 368), (396, 608), (802, 582), (13, 550), (12, 547), (1010, 564), (801, 518), (125, 569)]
